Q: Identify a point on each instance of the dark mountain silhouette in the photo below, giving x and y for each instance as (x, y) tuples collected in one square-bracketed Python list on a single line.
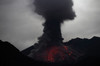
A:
[(81, 45), (87, 46), (11, 56)]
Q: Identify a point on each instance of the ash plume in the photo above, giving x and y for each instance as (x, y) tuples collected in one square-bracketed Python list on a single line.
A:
[(55, 9), (54, 12)]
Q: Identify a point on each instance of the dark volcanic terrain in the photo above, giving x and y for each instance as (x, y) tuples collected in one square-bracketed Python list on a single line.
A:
[(90, 48)]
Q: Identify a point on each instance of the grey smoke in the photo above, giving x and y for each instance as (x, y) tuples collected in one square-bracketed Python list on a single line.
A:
[(54, 12), (57, 9), (18, 22)]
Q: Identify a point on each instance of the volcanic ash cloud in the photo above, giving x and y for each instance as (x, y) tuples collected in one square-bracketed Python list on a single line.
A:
[(54, 12)]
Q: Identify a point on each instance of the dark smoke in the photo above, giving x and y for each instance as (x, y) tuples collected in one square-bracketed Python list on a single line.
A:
[(54, 12), (55, 9)]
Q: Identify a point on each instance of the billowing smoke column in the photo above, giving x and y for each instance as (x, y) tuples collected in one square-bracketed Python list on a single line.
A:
[(54, 12)]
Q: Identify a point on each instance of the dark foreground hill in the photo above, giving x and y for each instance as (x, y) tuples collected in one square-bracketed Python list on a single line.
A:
[(85, 46), (90, 47), (11, 56)]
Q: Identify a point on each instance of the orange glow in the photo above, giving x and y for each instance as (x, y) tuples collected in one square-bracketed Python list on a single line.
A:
[(55, 54)]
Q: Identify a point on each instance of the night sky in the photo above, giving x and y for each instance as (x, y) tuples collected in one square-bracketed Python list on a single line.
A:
[(21, 26)]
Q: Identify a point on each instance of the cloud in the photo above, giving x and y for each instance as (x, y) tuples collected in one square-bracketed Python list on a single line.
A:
[(20, 26), (5, 2)]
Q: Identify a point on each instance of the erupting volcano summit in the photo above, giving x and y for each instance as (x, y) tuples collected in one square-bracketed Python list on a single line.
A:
[(50, 45)]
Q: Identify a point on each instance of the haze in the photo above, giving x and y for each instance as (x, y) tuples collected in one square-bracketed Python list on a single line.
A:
[(20, 26)]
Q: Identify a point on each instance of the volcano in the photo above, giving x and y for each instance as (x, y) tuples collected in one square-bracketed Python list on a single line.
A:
[(53, 54), (50, 44)]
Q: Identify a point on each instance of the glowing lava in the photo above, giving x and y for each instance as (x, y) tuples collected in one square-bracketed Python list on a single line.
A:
[(54, 54), (57, 53)]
